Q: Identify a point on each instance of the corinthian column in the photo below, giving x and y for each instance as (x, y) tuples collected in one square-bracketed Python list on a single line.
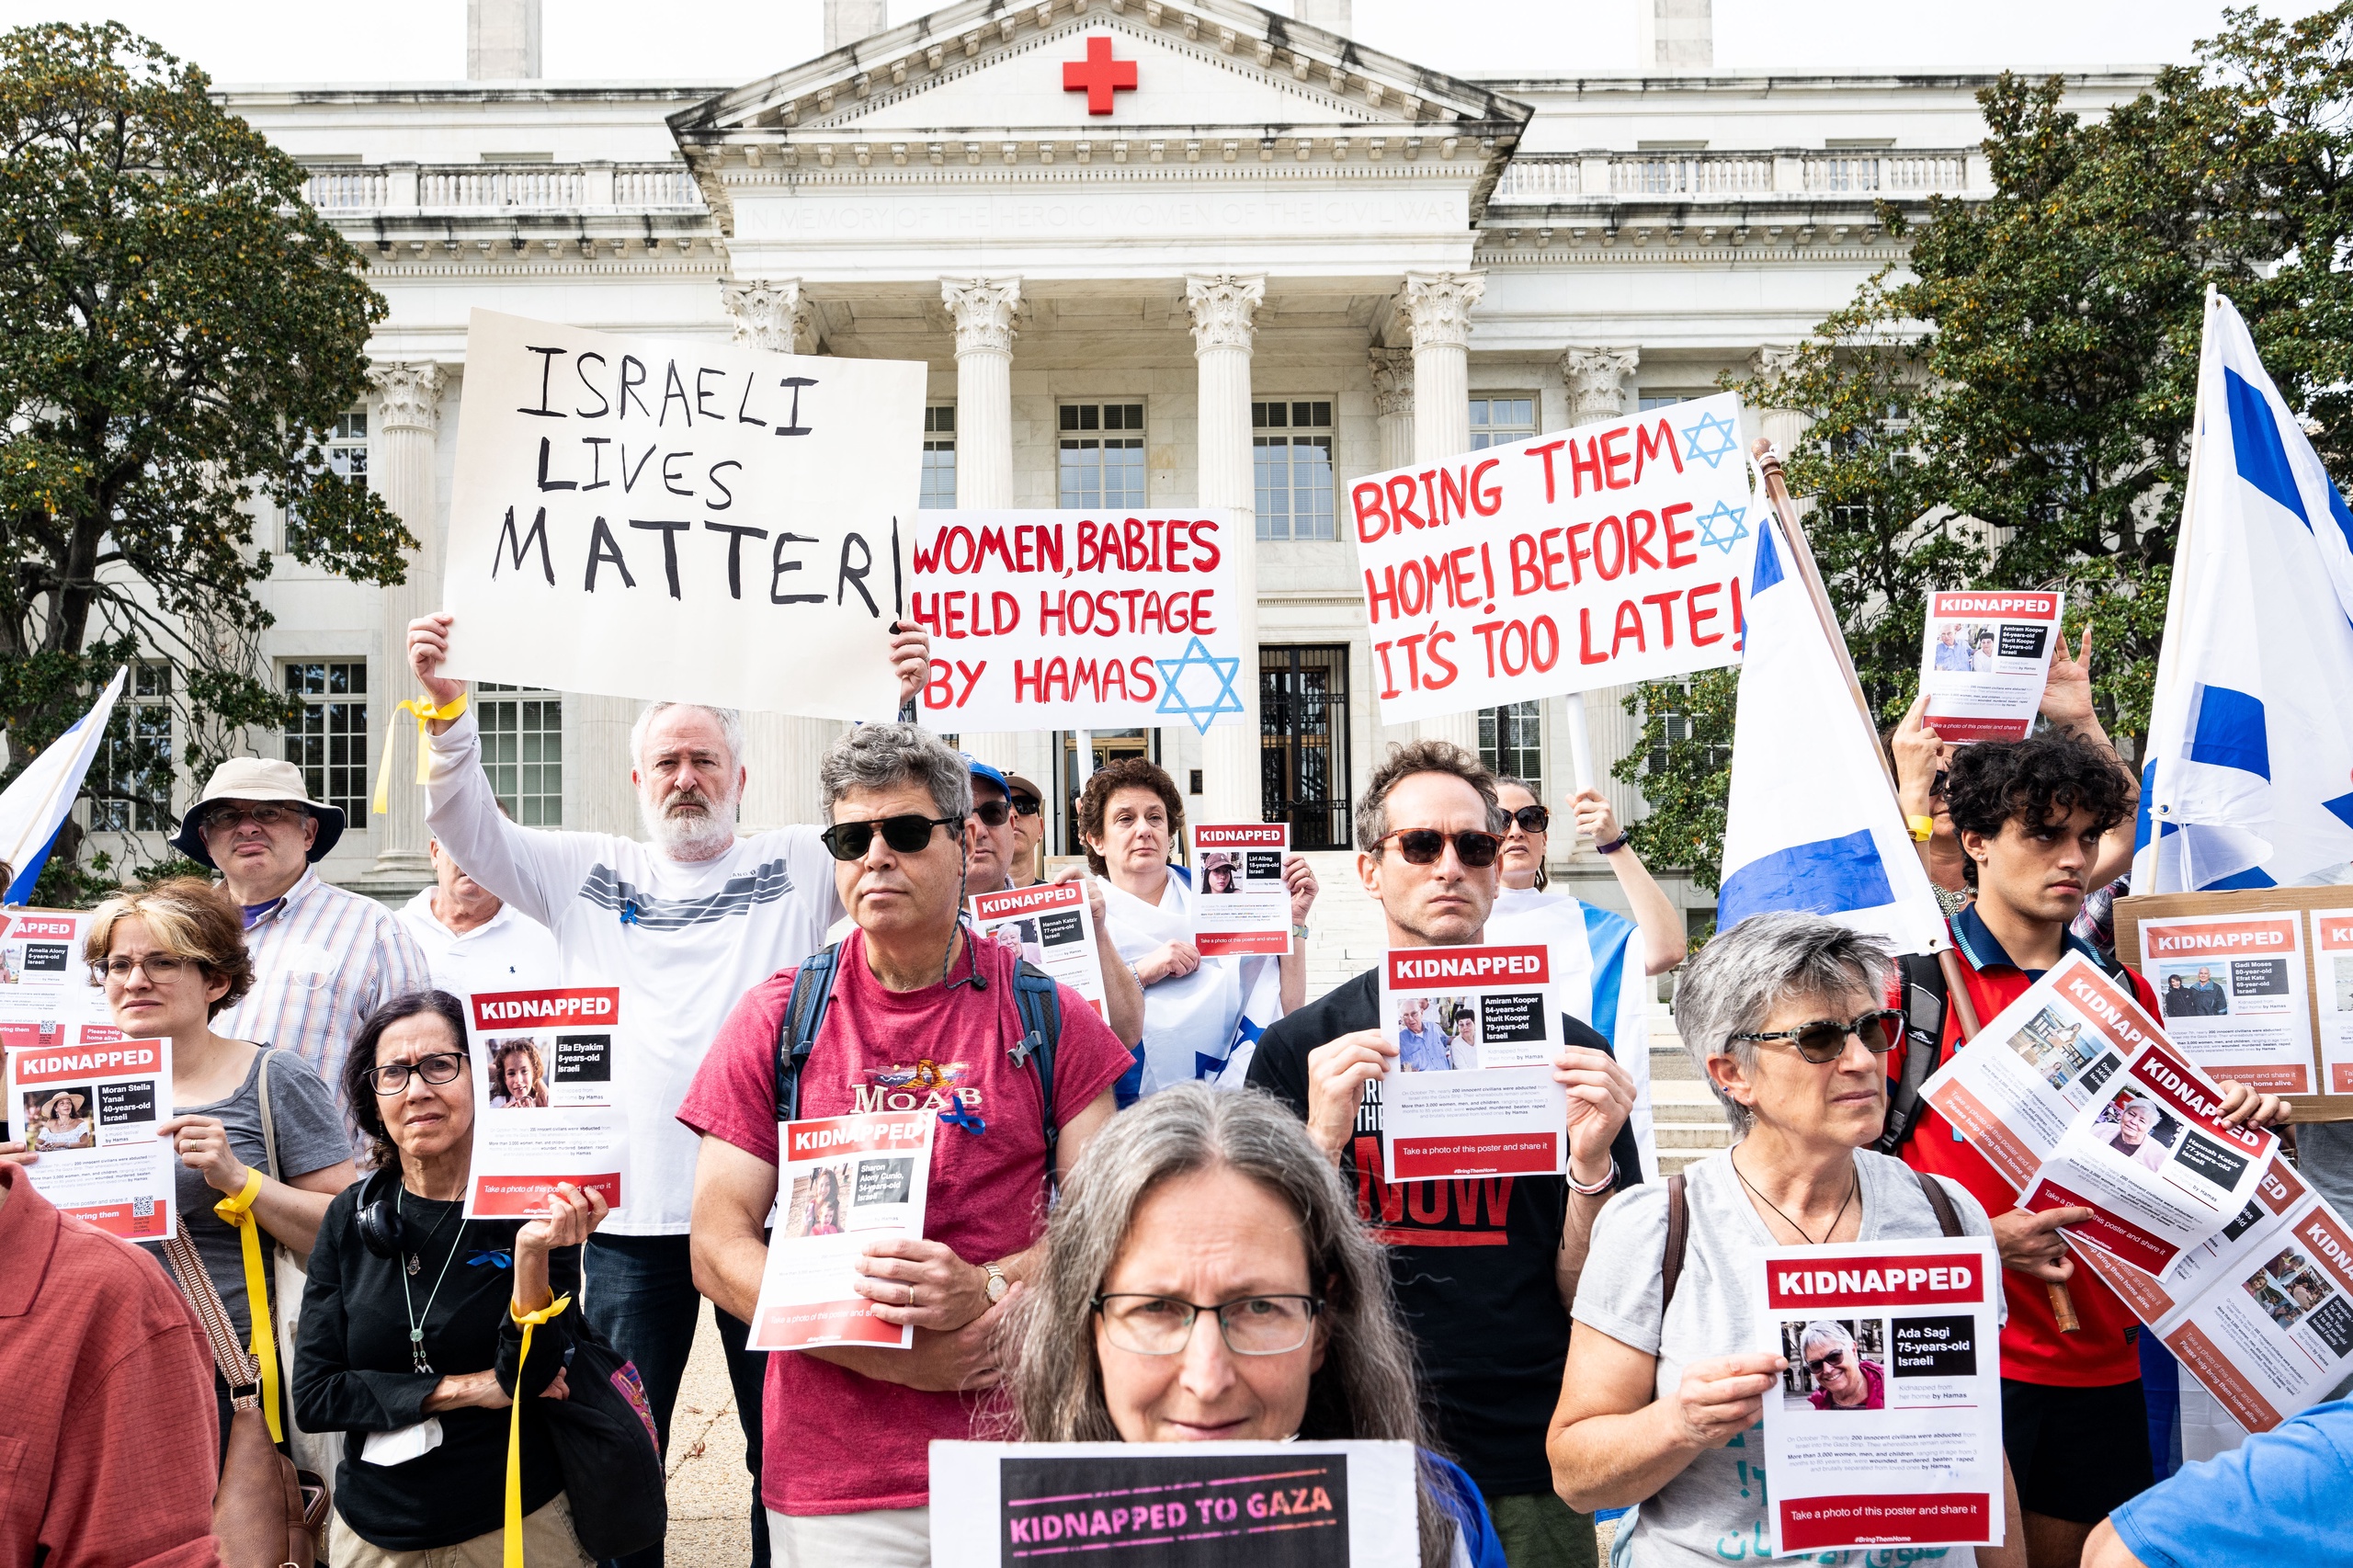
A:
[(982, 310), (774, 315), (1782, 426), (1597, 381), (1437, 306), (1392, 400), (405, 413), (1224, 307)]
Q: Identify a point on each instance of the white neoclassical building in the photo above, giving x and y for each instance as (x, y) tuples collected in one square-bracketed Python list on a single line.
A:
[(1154, 252)]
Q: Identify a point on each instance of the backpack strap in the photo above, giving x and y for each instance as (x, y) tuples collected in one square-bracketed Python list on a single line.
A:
[(1040, 1001), (1678, 1241), (1947, 1217), (1924, 1000), (796, 1032)]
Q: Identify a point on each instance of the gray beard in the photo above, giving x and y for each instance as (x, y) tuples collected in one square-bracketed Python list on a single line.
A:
[(701, 837)]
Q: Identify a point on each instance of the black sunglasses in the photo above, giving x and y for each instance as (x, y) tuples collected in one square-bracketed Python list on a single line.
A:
[(992, 814), (1423, 846), (906, 835), (1532, 819), (1825, 1040), (1025, 805)]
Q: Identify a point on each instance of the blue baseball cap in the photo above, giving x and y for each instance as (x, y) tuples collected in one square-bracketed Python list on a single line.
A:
[(979, 769)]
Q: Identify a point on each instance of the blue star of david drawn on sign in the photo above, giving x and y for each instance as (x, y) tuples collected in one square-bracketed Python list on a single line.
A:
[(1711, 439), (1172, 674), (1712, 533)]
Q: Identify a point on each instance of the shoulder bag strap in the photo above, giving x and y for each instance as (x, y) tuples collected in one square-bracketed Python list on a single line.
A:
[(1947, 1217), (1678, 1237), (237, 1369)]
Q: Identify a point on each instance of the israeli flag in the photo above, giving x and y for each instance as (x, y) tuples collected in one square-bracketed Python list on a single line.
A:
[(2248, 780), (33, 807), (1812, 824)]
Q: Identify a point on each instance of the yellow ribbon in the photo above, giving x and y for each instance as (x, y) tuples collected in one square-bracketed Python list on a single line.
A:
[(529, 1321), (238, 1211), (425, 714)]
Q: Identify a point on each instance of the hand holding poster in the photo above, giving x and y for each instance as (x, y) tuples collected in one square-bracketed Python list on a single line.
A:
[(1242, 904), (88, 1107), (1887, 1428), (1616, 552), (845, 1182), (1471, 1092), (1047, 922), (2231, 989), (1300, 1504), (1049, 621), (690, 522), (1985, 658), (546, 1108)]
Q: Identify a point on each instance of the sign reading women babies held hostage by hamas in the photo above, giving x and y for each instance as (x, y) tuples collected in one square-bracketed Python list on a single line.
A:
[(1585, 558), (698, 522)]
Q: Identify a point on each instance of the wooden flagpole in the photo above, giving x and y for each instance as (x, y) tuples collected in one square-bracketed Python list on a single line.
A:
[(1769, 463)]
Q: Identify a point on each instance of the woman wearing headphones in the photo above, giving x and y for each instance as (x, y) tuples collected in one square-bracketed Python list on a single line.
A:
[(409, 1332)]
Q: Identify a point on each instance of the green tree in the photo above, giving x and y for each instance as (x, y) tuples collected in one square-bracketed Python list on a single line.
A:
[(178, 330)]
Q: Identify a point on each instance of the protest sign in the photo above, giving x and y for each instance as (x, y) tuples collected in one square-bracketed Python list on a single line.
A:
[(1241, 906), (1886, 1429), (47, 991), (1985, 658), (2231, 989), (1471, 1092), (695, 522), (1048, 925), (845, 1181), (88, 1104), (2262, 1312), (1615, 552), (1077, 620), (547, 1108), (1296, 1504), (2249, 1041)]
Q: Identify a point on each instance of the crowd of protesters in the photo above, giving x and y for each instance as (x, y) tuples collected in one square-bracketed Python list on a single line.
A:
[(1168, 1224)]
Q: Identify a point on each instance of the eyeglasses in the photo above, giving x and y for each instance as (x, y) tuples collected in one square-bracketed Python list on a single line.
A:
[(1936, 785), (1423, 846), (1532, 819), (1162, 1326), (1024, 806), (1835, 1359), (442, 1067), (992, 814), (267, 814), (160, 969), (906, 835), (1825, 1040)]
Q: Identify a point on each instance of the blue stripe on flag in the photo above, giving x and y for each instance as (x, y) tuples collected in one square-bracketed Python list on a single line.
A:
[(2141, 829), (2230, 731), (21, 890), (1605, 936), (2255, 438), (2337, 509), (1768, 564), (1826, 877), (2253, 876)]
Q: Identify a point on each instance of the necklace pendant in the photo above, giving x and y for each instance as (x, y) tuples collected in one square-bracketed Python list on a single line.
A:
[(416, 1264)]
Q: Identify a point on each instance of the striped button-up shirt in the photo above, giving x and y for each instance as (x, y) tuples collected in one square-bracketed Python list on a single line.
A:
[(324, 959)]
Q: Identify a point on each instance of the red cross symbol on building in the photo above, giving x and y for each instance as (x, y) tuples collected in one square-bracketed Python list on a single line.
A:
[(1099, 75)]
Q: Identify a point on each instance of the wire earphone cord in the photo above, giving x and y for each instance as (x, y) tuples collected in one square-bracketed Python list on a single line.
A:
[(1792, 1224), (408, 1306)]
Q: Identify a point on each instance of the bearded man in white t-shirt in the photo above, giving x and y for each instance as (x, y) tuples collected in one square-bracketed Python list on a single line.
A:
[(684, 924)]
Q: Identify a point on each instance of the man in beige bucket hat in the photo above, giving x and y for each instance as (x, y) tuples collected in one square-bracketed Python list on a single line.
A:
[(324, 958)]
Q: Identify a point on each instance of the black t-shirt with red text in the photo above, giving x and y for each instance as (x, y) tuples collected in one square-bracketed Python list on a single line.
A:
[(1472, 1262)]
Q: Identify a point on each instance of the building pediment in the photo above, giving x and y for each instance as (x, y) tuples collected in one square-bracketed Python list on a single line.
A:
[(1208, 65)]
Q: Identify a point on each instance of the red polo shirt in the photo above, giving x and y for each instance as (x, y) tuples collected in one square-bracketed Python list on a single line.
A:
[(2102, 1351), (108, 1457)]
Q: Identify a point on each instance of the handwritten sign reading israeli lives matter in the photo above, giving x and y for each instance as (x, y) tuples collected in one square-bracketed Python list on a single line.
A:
[(692, 521), (1609, 553), (1044, 620)]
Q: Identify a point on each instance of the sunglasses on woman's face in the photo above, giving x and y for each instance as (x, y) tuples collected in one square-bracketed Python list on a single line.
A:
[(1532, 819), (1835, 1359), (1423, 846), (905, 834), (1825, 1040)]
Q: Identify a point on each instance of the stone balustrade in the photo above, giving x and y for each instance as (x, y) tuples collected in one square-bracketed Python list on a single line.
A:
[(343, 190), (1543, 177)]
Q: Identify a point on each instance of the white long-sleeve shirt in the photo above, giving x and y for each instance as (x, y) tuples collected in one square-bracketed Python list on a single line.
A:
[(682, 939)]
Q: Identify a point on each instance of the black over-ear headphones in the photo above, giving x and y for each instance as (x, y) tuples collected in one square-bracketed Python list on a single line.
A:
[(381, 1229)]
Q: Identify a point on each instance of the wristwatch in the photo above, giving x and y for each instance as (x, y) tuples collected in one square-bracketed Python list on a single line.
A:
[(997, 1283)]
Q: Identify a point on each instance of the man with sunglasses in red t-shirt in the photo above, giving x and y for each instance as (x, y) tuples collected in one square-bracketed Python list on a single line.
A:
[(1484, 1270)]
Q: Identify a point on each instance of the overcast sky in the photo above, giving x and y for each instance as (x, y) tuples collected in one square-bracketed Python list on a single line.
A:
[(727, 42)]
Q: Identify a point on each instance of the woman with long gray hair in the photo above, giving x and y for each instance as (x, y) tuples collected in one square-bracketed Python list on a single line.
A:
[(1786, 1018), (1206, 1279)]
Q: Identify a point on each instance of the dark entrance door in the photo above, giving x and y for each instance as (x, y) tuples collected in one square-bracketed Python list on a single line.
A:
[(1303, 740)]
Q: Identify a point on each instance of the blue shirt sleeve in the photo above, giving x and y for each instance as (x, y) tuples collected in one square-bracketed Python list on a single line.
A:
[(2280, 1496), (1455, 1492)]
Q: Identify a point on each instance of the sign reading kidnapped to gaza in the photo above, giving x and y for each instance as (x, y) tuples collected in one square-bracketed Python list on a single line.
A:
[(1585, 558), (700, 522)]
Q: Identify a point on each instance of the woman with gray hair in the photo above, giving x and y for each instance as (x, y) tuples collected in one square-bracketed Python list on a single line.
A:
[(1786, 1016), (1842, 1379), (1206, 1279)]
